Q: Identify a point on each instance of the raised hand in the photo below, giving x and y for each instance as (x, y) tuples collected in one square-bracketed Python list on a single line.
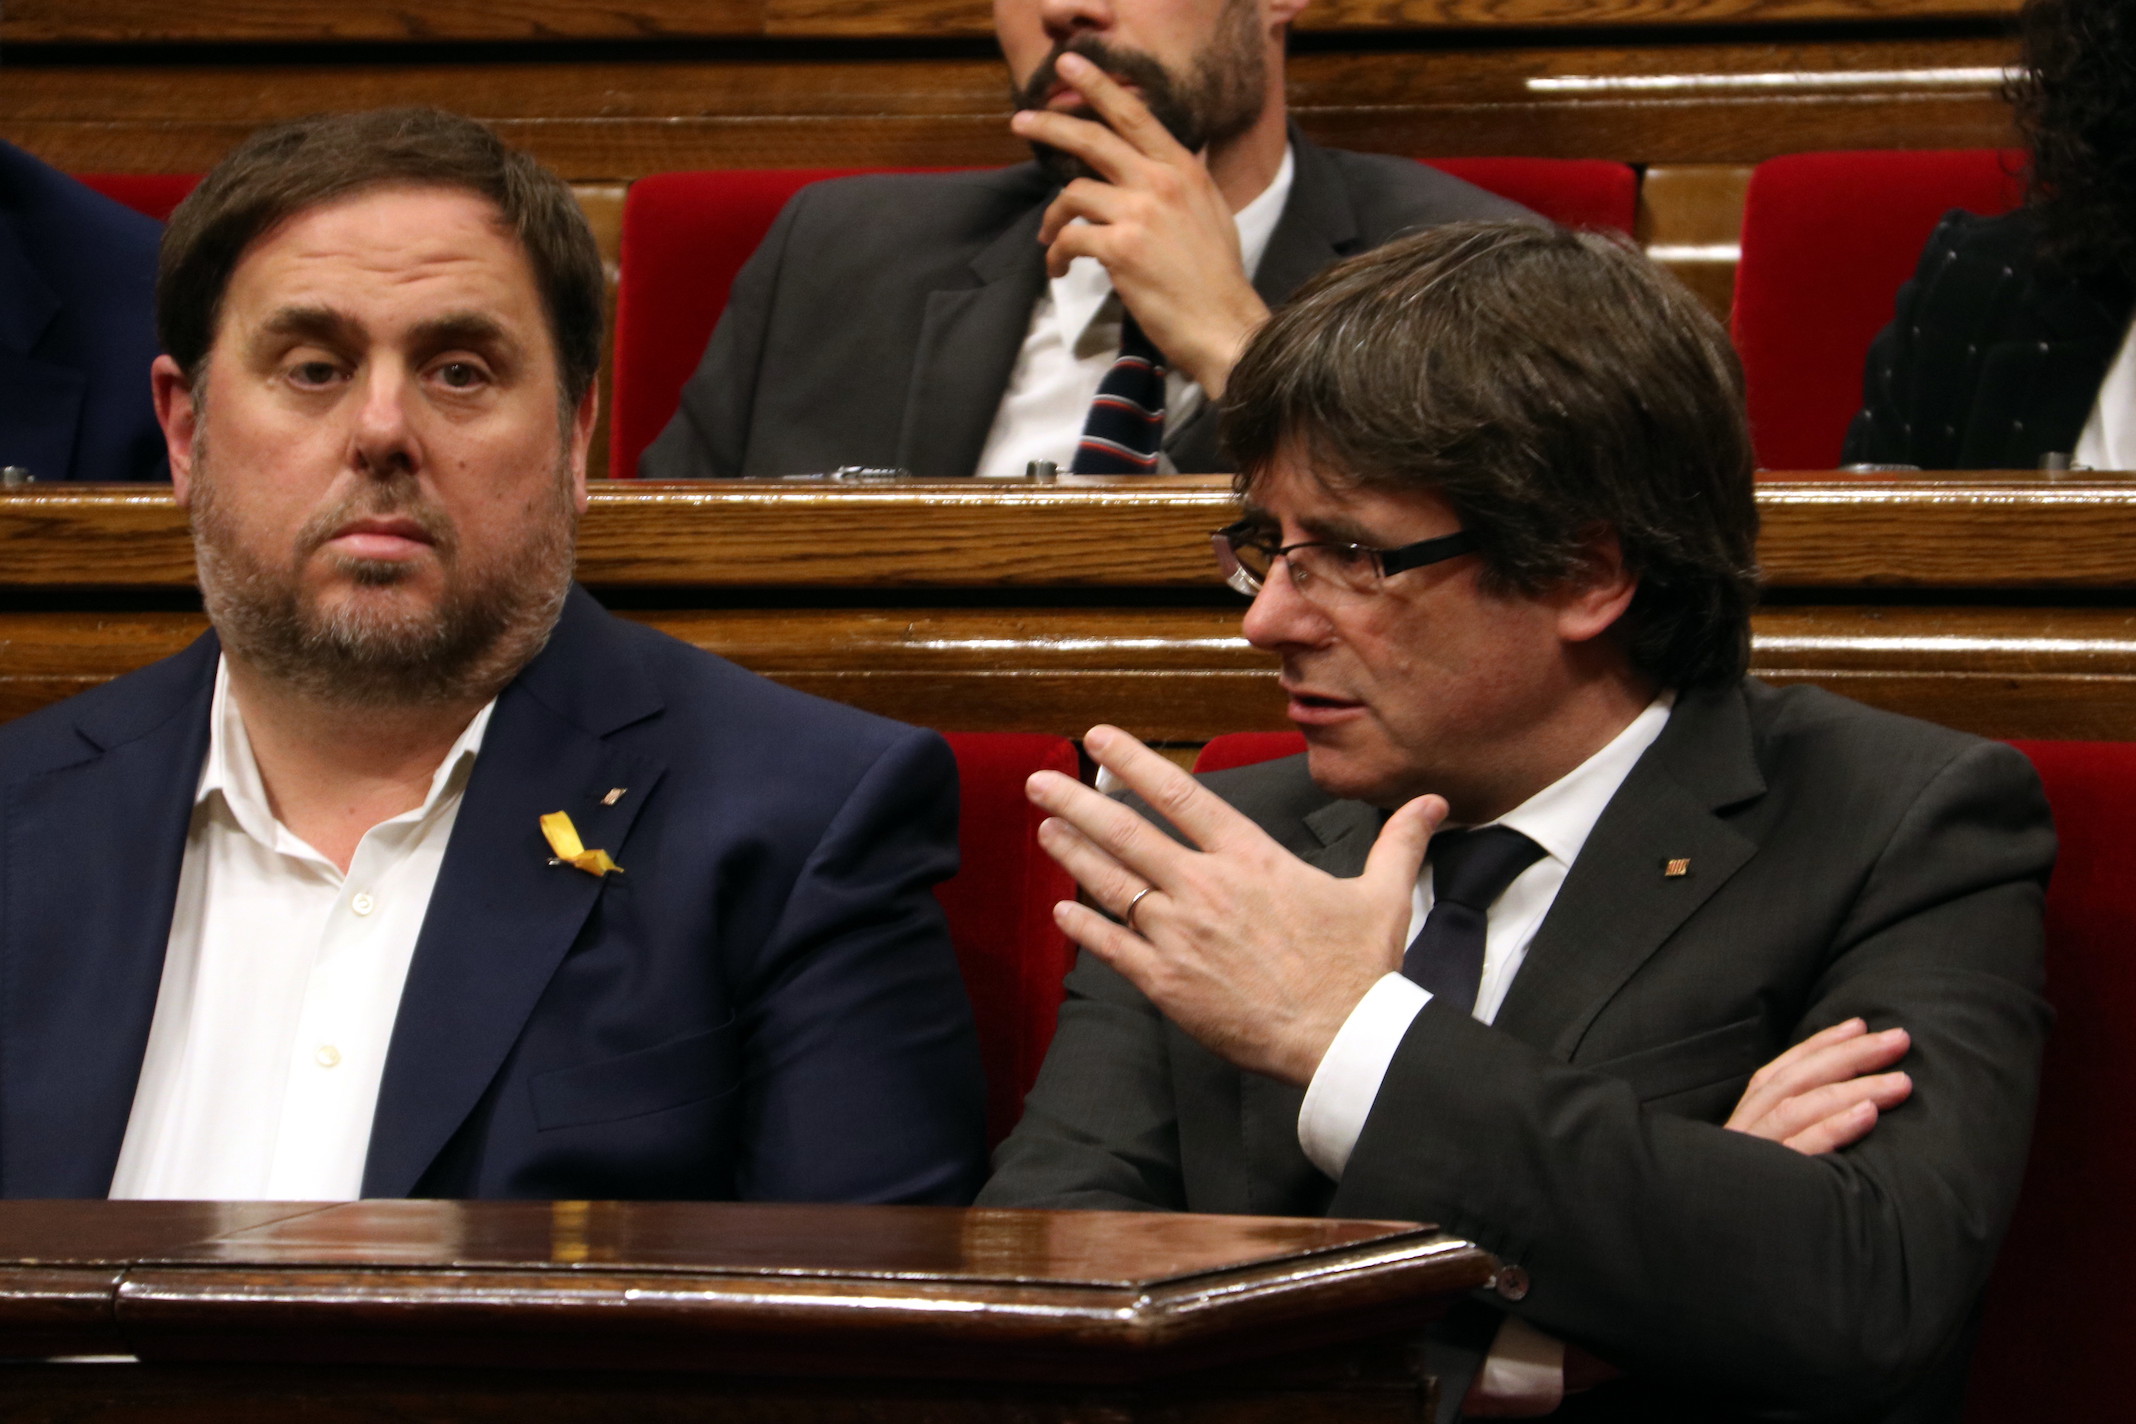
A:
[(1157, 221), (1252, 951)]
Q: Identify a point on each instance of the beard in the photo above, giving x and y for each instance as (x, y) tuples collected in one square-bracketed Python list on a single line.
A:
[(369, 652), (1219, 96)]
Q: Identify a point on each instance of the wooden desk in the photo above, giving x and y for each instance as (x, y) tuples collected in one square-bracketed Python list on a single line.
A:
[(413, 1310), (2004, 604)]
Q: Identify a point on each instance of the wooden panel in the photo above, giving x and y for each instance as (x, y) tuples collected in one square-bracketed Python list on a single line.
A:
[(754, 1289), (1987, 531), (611, 120), (1691, 223), (139, 21), (136, 21), (1185, 675)]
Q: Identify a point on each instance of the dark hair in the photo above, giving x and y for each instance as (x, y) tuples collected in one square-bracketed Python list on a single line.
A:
[(2076, 103), (289, 168), (1549, 385)]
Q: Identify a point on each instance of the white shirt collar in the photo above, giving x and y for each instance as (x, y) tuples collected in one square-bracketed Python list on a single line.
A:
[(1080, 293), (231, 771), (1560, 817)]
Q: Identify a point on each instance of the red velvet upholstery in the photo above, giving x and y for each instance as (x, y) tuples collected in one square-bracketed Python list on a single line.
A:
[(1828, 239), (154, 194), (1578, 192), (685, 235), (1000, 908), (1245, 748), (2059, 1311)]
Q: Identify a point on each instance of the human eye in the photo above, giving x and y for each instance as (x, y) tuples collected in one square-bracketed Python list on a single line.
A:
[(460, 375), (312, 373)]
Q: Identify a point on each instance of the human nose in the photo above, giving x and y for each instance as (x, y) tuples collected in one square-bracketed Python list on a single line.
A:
[(384, 441), (1282, 616), (1065, 19)]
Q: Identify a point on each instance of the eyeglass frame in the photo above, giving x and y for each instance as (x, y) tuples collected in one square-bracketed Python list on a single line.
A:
[(1388, 562)]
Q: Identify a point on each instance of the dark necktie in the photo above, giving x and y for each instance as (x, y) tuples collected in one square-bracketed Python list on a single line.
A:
[(1469, 871), (1126, 421)]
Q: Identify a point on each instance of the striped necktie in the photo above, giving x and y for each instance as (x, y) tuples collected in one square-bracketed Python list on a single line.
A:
[(1469, 871), (1126, 421)]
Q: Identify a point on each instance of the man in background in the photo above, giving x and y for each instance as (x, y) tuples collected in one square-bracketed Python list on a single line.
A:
[(1084, 308), (421, 875)]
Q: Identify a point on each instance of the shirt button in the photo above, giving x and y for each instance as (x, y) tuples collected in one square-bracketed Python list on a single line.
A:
[(326, 1056), (362, 903)]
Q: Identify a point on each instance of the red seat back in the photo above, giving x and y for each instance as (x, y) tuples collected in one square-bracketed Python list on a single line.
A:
[(1828, 239), (1245, 748), (151, 194), (1000, 909), (1578, 192), (685, 236), (2058, 1315)]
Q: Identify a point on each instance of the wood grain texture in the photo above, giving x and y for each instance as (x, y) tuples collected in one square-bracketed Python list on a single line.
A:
[(1185, 675), (609, 120), (1984, 532), (754, 1289), (138, 21), (1691, 224), (246, 21)]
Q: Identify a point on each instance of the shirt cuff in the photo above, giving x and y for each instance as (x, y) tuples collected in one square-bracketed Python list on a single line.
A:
[(1340, 1097), (1522, 1378)]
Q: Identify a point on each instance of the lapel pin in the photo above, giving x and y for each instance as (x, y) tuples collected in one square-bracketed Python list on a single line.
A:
[(615, 794), (570, 850), (1677, 869)]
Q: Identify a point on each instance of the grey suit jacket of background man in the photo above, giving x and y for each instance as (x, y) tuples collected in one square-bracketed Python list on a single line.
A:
[(1842, 862), (879, 321)]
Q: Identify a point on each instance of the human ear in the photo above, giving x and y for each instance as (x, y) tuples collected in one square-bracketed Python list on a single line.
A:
[(1595, 596), (179, 415)]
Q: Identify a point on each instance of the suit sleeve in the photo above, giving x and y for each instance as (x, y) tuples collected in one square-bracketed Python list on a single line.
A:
[(1678, 1250), (1099, 1128), (862, 1074), (710, 434)]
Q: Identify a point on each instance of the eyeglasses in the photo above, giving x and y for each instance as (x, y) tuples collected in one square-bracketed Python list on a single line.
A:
[(1246, 552)]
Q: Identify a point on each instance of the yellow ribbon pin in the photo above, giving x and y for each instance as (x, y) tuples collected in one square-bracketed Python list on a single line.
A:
[(564, 840)]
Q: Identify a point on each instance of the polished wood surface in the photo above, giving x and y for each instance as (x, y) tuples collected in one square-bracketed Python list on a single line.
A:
[(136, 21), (605, 118), (753, 1289), (1998, 603), (2003, 531)]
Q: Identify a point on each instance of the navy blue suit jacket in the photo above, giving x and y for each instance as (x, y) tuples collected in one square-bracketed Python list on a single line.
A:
[(763, 1005), (77, 329)]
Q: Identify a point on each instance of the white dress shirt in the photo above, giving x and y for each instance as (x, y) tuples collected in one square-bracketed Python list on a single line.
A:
[(2109, 438), (280, 986), (1524, 1372), (1073, 340)]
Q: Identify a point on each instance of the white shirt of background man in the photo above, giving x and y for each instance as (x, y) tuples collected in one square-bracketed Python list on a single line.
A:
[(1073, 340), (280, 986), (2109, 438), (1524, 1373)]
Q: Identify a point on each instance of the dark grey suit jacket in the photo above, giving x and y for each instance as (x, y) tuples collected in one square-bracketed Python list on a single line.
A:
[(879, 321), (1842, 862)]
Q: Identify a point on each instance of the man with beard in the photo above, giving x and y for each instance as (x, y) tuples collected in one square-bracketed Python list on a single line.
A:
[(1083, 309), (420, 874)]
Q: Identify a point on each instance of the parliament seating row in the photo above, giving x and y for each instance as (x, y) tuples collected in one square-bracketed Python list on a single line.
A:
[(1827, 238), (2057, 1314)]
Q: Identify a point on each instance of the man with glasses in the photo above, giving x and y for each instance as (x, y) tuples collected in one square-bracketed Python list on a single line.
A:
[(1503, 948)]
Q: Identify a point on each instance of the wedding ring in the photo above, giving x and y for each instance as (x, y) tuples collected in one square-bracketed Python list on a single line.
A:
[(1129, 913)]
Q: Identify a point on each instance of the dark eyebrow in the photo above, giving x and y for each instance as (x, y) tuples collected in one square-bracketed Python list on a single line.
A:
[(321, 324), (470, 329)]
